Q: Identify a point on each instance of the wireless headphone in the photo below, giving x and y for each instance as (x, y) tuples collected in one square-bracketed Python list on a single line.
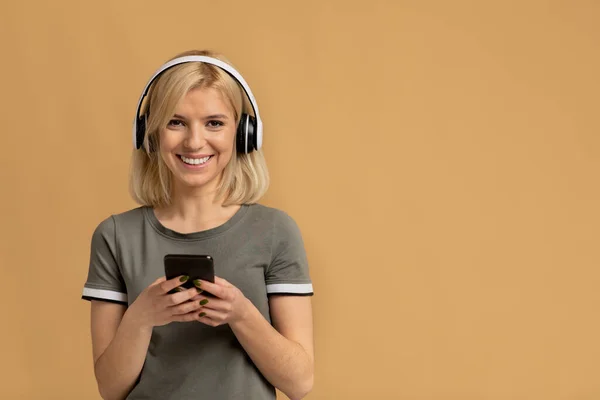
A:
[(249, 130)]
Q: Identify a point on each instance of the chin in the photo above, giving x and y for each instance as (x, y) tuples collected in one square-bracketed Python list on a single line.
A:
[(196, 183)]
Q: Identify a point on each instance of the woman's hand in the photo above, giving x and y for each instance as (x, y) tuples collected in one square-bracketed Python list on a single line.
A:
[(156, 307), (229, 306)]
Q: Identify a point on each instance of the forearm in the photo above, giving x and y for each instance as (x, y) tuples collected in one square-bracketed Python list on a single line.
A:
[(118, 368), (283, 362)]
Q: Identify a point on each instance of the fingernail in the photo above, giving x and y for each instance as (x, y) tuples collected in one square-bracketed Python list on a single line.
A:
[(202, 314), (197, 282), (179, 289), (199, 290), (184, 278), (203, 302)]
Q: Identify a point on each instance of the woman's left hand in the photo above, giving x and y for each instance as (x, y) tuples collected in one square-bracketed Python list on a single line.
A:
[(228, 306)]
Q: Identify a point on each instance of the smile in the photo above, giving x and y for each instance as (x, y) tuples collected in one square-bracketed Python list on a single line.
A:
[(194, 161)]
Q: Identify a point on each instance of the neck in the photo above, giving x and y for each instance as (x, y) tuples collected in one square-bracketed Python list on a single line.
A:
[(191, 202), (194, 211)]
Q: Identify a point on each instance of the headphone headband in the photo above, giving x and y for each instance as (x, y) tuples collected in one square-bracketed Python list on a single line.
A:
[(209, 60)]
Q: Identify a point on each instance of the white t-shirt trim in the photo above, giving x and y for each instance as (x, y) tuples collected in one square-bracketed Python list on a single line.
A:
[(299, 288), (104, 294)]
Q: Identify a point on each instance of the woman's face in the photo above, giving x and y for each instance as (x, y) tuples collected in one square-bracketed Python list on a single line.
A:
[(198, 141)]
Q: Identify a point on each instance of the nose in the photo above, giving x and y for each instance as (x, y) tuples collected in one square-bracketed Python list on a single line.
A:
[(195, 138)]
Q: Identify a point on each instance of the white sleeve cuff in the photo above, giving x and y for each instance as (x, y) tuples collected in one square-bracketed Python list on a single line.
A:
[(103, 294), (290, 288)]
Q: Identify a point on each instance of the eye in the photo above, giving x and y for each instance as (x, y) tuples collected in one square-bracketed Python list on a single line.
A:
[(175, 123), (215, 123)]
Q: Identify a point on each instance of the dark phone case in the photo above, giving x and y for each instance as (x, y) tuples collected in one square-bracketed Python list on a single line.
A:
[(196, 266)]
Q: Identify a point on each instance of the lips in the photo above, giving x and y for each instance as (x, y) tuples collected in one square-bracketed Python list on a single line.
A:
[(196, 160)]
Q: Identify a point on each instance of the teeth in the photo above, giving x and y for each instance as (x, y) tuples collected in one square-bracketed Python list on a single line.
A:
[(195, 161)]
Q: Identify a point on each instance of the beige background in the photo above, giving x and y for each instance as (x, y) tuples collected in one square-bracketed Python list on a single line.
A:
[(441, 158)]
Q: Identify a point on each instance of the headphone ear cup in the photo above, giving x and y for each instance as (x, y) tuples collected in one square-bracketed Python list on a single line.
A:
[(240, 136), (246, 129), (252, 145), (140, 131)]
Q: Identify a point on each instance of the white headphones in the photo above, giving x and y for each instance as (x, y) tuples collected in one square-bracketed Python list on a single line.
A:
[(250, 129)]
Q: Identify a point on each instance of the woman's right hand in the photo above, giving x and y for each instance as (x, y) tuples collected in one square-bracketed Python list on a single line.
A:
[(155, 306)]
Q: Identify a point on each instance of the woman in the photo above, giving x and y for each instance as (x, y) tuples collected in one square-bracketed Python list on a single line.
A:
[(198, 184)]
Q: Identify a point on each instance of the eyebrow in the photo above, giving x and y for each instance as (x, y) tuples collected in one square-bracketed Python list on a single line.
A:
[(214, 116)]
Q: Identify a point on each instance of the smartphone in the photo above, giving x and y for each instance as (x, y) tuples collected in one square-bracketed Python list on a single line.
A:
[(196, 266)]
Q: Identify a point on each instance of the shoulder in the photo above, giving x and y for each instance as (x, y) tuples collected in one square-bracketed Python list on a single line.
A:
[(109, 225), (283, 231), (133, 215), (277, 218)]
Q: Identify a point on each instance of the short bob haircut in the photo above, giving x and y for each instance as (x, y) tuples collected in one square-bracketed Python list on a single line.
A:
[(244, 180)]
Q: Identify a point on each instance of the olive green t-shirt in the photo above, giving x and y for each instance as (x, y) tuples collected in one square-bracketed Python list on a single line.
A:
[(259, 250)]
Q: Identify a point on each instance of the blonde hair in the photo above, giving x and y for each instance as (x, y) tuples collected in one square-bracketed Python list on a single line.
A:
[(245, 179)]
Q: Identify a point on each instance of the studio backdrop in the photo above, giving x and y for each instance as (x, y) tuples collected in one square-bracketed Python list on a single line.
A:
[(441, 159)]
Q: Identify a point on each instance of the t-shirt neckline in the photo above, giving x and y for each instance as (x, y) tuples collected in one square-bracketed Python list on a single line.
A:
[(159, 227)]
